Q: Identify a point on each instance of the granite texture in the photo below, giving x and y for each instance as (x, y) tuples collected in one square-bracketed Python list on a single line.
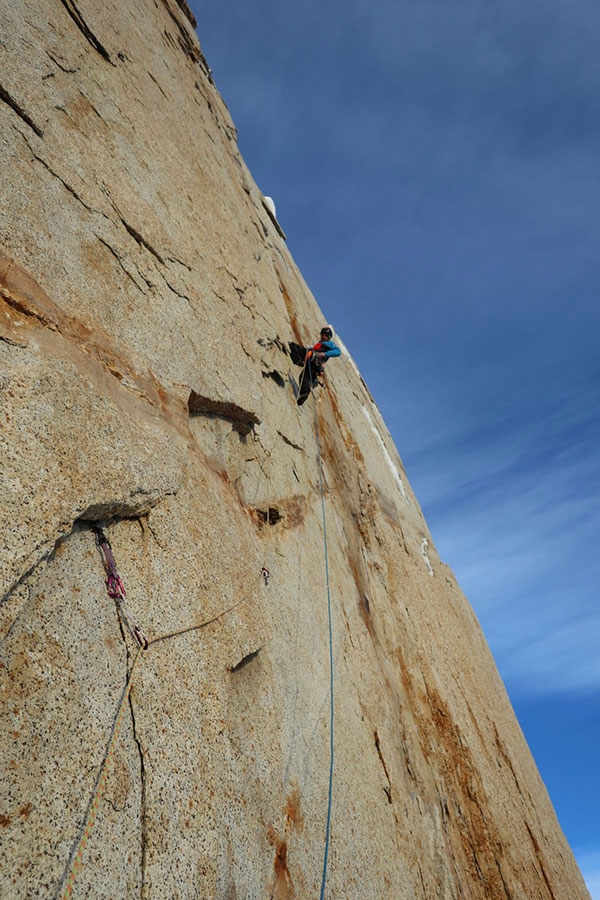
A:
[(146, 299)]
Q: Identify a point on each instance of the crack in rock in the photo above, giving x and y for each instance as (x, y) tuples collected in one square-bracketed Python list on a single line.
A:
[(21, 293), (141, 240), (11, 343), (18, 109), (178, 293), (73, 11), (244, 661), (65, 184), (182, 4), (166, 96), (388, 790), (175, 259), (63, 68), (122, 265), (243, 419), (290, 443), (143, 799), (273, 219), (276, 376), (183, 37)]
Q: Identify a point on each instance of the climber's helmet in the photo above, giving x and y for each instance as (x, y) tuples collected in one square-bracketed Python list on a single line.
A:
[(326, 333)]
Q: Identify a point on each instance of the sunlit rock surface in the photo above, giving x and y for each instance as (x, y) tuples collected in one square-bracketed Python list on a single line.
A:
[(147, 297)]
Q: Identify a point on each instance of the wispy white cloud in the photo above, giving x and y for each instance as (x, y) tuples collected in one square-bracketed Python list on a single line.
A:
[(514, 513), (562, 660), (589, 863)]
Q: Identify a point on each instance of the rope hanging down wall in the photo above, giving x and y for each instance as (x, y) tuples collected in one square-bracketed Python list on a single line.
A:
[(331, 673), (268, 454)]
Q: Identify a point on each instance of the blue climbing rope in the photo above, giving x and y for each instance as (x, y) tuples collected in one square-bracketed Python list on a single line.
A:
[(331, 691)]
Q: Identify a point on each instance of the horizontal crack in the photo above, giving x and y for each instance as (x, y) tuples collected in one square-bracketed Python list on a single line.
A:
[(243, 419), (11, 343)]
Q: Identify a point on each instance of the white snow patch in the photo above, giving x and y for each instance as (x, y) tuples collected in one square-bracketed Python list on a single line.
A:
[(386, 454), (425, 555), (270, 204)]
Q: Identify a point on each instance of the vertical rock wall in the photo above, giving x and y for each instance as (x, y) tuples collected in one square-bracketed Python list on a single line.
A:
[(146, 301)]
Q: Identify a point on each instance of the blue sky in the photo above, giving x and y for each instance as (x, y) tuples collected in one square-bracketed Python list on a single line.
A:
[(436, 168)]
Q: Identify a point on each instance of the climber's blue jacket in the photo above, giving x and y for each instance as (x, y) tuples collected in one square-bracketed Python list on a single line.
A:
[(328, 349)]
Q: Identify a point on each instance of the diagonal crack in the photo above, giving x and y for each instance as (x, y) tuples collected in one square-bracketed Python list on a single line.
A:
[(166, 96), (60, 65), (18, 109), (141, 240), (388, 790), (184, 39), (176, 292), (65, 184), (120, 261), (71, 8), (290, 443)]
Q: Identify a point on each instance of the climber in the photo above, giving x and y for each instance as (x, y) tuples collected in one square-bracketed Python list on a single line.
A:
[(313, 359), (324, 349)]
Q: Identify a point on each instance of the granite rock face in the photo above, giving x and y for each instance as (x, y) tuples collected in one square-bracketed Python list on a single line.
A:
[(146, 299)]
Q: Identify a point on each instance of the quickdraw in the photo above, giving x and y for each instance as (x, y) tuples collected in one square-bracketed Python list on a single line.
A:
[(265, 574), (116, 588)]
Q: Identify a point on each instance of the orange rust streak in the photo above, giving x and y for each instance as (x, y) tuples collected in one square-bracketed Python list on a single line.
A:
[(290, 310), (24, 305), (283, 888), (293, 814)]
